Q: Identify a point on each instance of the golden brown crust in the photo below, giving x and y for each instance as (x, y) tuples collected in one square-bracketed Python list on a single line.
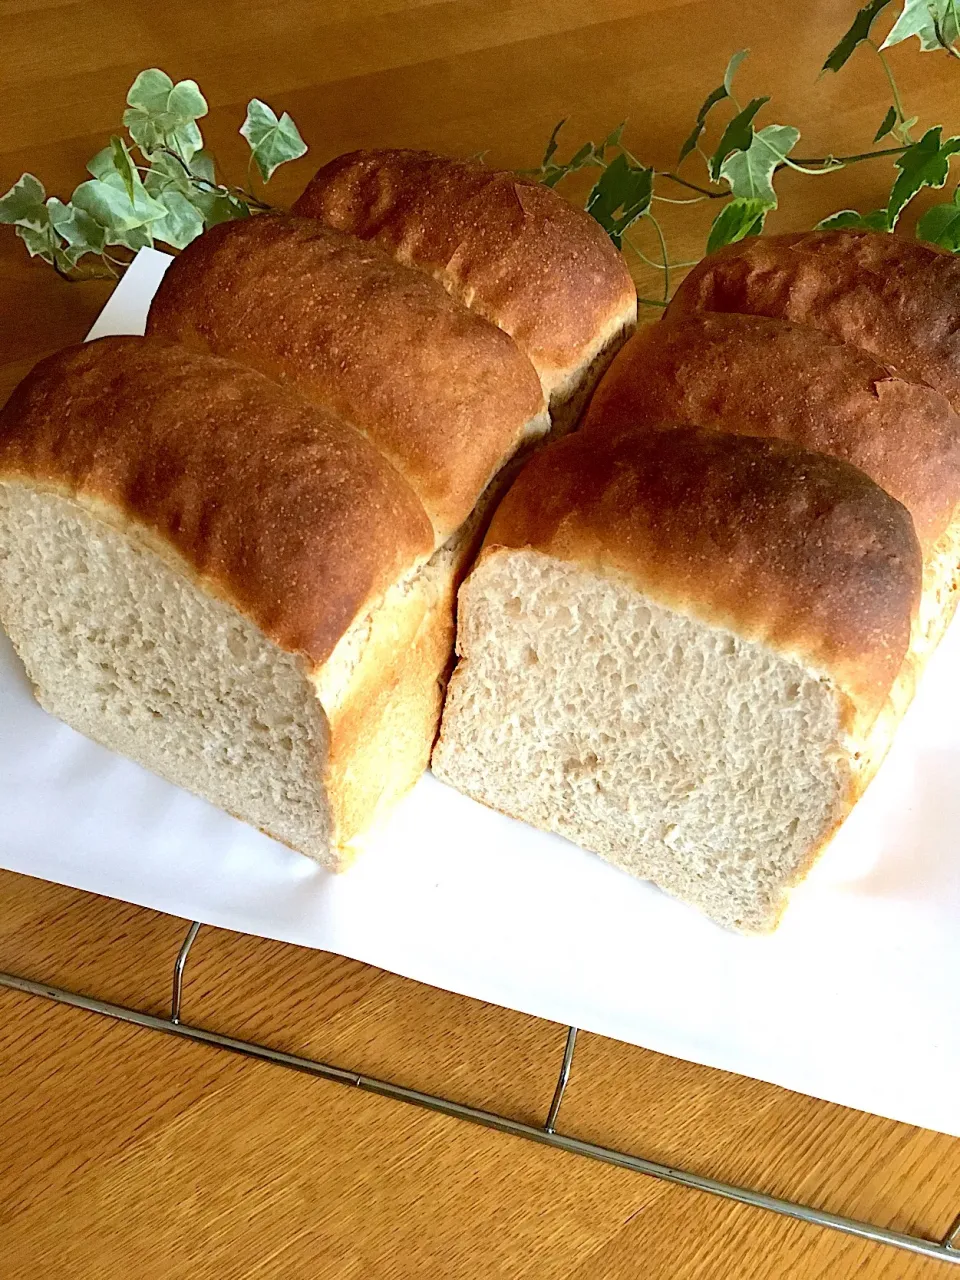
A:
[(443, 394), (755, 376), (382, 731), (896, 298), (275, 505), (510, 248), (795, 549)]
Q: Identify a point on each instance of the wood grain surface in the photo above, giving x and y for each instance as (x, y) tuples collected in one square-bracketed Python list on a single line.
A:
[(130, 1154)]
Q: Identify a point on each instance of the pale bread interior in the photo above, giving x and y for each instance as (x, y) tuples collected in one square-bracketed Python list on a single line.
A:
[(678, 751), (128, 651)]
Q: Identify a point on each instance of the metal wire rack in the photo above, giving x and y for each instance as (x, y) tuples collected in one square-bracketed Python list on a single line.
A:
[(945, 1250)]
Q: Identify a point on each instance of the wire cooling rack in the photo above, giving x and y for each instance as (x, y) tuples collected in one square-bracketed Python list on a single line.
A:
[(945, 1250)]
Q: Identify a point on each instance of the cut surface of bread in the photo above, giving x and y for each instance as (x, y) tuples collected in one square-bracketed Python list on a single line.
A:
[(678, 751), (134, 655), (687, 651), (511, 249)]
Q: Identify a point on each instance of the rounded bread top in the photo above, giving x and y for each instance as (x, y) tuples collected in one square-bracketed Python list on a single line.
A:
[(443, 394), (512, 249)]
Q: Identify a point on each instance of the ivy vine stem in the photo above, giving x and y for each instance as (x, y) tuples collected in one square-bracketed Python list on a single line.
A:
[(862, 155), (693, 186), (902, 127)]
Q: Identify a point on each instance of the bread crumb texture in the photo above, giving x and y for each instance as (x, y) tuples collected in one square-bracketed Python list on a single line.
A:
[(134, 655), (680, 752)]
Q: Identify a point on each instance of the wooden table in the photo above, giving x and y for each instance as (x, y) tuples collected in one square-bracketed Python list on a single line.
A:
[(126, 1153)]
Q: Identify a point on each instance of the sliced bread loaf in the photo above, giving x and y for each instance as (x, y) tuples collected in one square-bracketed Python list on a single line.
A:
[(206, 573), (752, 375), (683, 650), (445, 396)]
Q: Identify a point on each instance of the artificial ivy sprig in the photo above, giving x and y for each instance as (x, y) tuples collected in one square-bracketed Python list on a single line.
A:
[(160, 186), (741, 167)]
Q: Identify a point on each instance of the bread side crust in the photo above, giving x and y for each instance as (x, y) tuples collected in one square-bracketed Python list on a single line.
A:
[(752, 375)]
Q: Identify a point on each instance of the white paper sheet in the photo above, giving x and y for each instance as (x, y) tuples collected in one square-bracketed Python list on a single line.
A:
[(853, 1000)]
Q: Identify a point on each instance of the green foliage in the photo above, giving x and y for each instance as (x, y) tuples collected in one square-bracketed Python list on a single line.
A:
[(621, 196), (940, 225), (849, 218), (163, 115), (737, 136), (273, 142), (925, 164), (750, 171), (935, 23), (887, 124), (158, 187), (740, 218), (741, 167), (589, 156), (858, 32), (712, 99)]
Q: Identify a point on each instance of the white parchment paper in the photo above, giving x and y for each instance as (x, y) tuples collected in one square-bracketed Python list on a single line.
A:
[(855, 999)]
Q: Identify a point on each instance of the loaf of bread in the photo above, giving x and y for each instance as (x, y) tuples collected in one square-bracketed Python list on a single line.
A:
[(444, 395), (511, 249), (684, 650), (756, 376), (694, 627), (894, 297), (205, 572)]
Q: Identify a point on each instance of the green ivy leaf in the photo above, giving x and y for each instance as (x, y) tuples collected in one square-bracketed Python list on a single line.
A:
[(889, 121), (214, 204), (722, 91), (750, 172), (850, 218), (553, 142), (589, 155), (106, 201), (933, 22), (77, 229), (925, 164), (272, 141), (123, 165), (181, 223), (941, 225), (40, 243), (23, 205), (621, 195), (163, 114), (102, 163), (858, 32), (731, 70), (737, 136), (735, 221), (201, 166)]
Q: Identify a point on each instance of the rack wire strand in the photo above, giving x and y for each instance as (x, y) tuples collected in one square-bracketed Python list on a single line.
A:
[(945, 1250)]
